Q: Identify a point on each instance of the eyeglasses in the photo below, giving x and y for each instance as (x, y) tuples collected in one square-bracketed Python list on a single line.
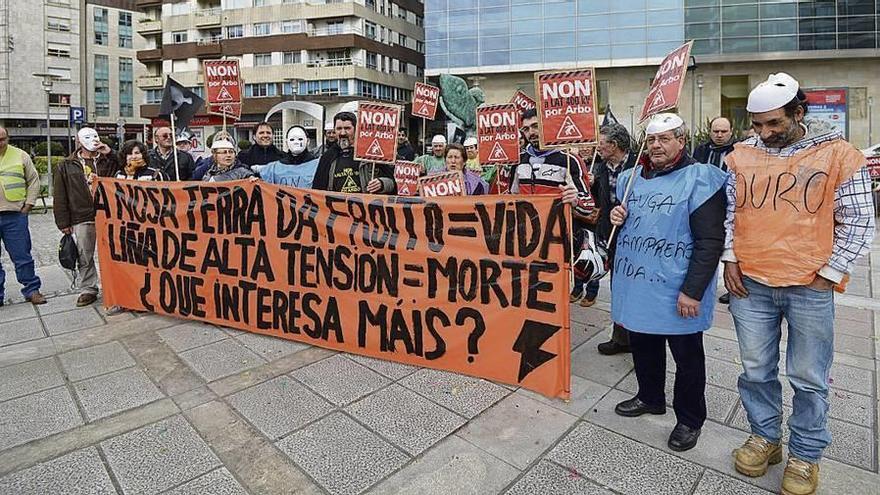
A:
[(167, 134)]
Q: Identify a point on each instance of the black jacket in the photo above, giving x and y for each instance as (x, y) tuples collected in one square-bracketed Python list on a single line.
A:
[(601, 189), (166, 165), (713, 154), (260, 155), (305, 156), (406, 152), (334, 156)]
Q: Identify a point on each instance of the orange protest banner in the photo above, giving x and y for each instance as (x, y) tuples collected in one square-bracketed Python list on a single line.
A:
[(424, 100), (522, 101), (567, 107), (443, 184), (376, 133), (476, 285), (498, 134), (668, 81), (406, 174)]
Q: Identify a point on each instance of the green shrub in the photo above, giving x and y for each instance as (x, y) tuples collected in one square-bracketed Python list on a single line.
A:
[(42, 165), (57, 149), (243, 144)]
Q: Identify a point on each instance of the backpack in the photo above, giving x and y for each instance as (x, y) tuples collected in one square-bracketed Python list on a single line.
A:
[(67, 252)]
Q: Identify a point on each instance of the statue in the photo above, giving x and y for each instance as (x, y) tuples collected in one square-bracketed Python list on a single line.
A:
[(460, 104)]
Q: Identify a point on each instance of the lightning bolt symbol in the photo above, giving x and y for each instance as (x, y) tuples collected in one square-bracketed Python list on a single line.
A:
[(531, 337)]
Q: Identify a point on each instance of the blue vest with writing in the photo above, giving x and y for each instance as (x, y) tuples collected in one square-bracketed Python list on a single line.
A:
[(654, 248), (282, 174)]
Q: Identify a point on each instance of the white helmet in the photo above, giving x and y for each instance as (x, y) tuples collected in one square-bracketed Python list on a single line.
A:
[(592, 262)]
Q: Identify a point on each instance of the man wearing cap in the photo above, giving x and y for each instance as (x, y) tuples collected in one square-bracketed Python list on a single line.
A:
[(339, 171), (184, 142), (405, 150), (663, 285), (800, 214), (435, 162)]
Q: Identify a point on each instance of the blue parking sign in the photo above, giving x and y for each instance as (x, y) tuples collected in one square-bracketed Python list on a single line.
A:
[(77, 115)]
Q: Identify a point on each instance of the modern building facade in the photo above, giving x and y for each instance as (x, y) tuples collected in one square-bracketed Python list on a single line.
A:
[(89, 50), (327, 52), (824, 43)]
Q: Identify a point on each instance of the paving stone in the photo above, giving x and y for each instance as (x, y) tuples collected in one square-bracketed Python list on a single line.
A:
[(106, 395), (584, 395), (58, 304), (843, 405), (465, 395), (270, 348), (453, 466), (722, 373), (97, 360), (339, 379), (622, 464), (71, 321), (864, 329), (36, 416), (220, 359), (20, 311), (189, 335), (341, 455), (219, 482), (405, 418), (547, 478), (14, 332), (581, 333), (853, 379), (389, 369), (517, 429), (856, 346), (714, 483), (158, 456), (27, 378), (724, 349), (586, 362), (279, 406), (720, 402), (78, 473)]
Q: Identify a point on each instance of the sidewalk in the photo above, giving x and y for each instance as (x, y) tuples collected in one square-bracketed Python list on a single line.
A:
[(143, 404)]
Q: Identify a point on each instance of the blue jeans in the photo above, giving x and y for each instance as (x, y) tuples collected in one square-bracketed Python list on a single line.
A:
[(810, 351), (14, 234)]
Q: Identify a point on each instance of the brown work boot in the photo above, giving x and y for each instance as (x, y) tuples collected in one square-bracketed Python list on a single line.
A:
[(800, 477), (586, 303), (753, 458), (36, 298), (86, 299)]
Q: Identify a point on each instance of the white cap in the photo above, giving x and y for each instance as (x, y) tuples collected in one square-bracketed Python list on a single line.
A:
[(471, 141), (221, 144), (328, 126), (663, 122), (775, 92), (438, 139), (183, 136)]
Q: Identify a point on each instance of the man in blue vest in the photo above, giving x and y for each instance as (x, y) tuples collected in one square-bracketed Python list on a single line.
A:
[(663, 286), (20, 185)]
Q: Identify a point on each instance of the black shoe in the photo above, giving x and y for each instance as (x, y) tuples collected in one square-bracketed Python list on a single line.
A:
[(635, 407), (683, 438), (611, 348), (725, 298)]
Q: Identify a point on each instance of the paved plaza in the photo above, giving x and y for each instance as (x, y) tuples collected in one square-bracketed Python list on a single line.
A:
[(144, 404)]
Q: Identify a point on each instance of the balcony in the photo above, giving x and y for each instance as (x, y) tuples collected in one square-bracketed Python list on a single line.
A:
[(140, 4), (150, 82), (208, 17), (332, 31), (336, 62), (209, 47), (154, 55), (149, 26)]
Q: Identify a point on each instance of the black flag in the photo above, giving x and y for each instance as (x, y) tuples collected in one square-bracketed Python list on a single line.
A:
[(183, 103), (609, 117)]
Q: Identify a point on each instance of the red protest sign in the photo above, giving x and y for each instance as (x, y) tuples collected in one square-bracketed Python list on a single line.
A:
[(223, 87), (424, 100), (567, 107), (406, 174), (442, 184), (523, 101), (874, 167), (498, 134), (376, 135), (668, 81)]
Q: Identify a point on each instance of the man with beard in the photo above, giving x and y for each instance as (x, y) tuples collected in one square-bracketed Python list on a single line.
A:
[(405, 150), (338, 170), (298, 167), (784, 256), (262, 151)]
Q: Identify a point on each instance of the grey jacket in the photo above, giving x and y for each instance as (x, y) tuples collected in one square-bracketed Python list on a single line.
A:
[(236, 172)]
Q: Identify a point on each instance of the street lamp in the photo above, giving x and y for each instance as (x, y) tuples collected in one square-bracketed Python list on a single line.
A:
[(48, 81), (700, 87)]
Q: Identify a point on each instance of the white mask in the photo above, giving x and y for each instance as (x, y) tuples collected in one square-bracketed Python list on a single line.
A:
[(88, 138), (297, 141)]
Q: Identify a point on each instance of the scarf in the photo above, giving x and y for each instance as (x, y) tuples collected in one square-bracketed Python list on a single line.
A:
[(132, 166)]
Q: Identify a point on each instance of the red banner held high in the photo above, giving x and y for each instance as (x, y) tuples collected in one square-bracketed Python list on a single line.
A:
[(567, 107), (223, 87), (424, 100), (498, 134), (376, 134), (523, 101), (668, 81)]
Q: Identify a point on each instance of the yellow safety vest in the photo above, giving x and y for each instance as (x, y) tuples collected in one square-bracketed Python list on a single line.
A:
[(12, 175)]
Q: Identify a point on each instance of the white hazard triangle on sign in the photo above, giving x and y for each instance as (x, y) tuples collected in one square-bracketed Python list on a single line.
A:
[(424, 109), (498, 154), (375, 149), (658, 101), (403, 190), (224, 95), (569, 130)]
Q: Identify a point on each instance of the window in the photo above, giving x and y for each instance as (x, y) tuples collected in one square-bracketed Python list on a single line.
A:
[(125, 30), (61, 50), (420, 21), (179, 37), (102, 36), (370, 28), (260, 90), (262, 29), (420, 46), (260, 3), (60, 72), (58, 24), (292, 58), (291, 27), (401, 39), (402, 67), (371, 61), (59, 99), (262, 59), (325, 87), (102, 85), (239, 4), (236, 31), (335, 26), (152, 96)]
